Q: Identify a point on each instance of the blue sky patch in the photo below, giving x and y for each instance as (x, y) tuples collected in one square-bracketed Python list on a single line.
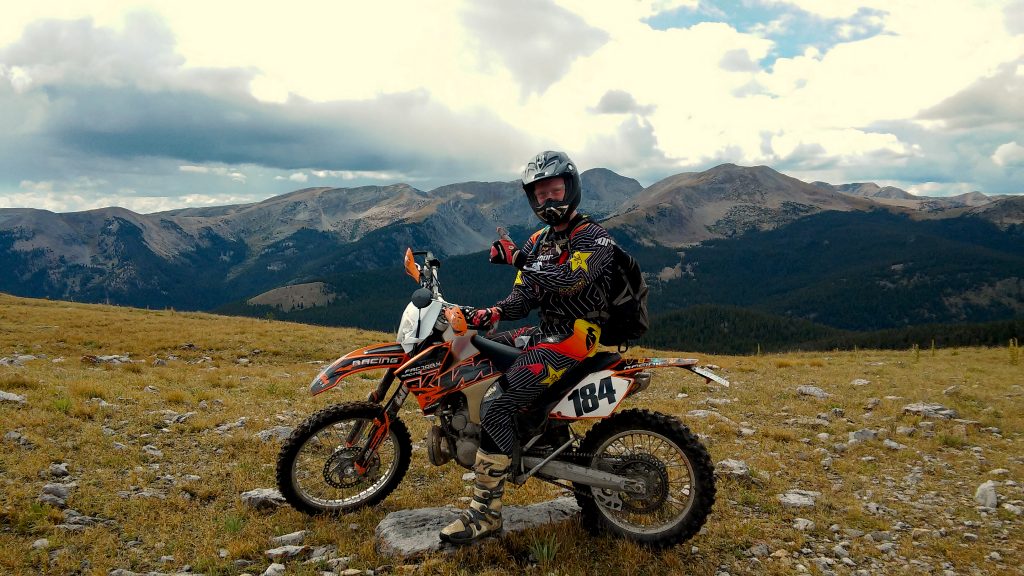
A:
[(791, 29)]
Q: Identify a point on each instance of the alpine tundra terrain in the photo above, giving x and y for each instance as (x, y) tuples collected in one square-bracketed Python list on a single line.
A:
[(130, 437)]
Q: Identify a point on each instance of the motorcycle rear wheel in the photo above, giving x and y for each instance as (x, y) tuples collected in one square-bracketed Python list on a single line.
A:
[(316, 470), (674, 466)]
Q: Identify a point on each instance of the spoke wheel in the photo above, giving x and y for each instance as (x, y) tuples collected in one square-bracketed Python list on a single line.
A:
[(317, 469), (678, 477)]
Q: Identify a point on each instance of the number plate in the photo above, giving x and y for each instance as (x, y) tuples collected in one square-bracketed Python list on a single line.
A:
[(596, 396)]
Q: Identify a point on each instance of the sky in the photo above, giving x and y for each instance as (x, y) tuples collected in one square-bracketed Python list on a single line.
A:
[(155, 105)]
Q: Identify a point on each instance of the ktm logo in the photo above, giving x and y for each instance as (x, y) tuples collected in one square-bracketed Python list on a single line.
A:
[(475, 370)]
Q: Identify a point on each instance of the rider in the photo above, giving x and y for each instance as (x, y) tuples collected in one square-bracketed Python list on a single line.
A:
[(563, 271)]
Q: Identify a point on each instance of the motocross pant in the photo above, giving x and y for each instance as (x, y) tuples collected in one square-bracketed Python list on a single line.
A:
[(543, 361)]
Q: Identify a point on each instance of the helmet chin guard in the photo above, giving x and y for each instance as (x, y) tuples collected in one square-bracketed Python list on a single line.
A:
[(551, 164)]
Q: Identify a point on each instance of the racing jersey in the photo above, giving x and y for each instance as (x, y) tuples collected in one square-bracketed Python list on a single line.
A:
[(565, 275)]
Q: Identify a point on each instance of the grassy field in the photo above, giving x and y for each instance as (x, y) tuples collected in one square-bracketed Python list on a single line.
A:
[(891, 510)]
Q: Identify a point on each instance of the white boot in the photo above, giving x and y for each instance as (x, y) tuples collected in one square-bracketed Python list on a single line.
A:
[(483, 517)]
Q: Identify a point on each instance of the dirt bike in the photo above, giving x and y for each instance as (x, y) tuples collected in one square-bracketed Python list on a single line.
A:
[(638, 474)]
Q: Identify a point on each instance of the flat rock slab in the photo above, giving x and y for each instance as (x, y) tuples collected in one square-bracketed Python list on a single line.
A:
[(410, 533)]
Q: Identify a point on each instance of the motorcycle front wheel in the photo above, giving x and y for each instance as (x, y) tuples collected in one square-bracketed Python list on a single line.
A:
[(317, 472), (672, 463)]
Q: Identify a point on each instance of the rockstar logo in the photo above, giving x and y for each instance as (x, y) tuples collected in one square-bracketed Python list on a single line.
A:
[(579, 260), (553, 376)]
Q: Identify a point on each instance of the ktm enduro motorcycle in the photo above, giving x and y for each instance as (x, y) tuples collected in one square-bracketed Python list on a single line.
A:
[(637, 474)]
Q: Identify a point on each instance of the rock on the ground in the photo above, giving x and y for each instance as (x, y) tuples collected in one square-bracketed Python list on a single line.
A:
[(758, 550), (862, 435), (263, 498), (930, 410), (410, 533), (75, 521), (799, 499), (807, 422), (860, 382), (892, 445), (108, 359), (56, 494), (275, 433), (736, 469), (812, 391), (16, 360), (274, 569), (282, 552), (803, 524), (11, 397), (293, 539), (986, 494), (240, 423), (58, 470), (710, 414)]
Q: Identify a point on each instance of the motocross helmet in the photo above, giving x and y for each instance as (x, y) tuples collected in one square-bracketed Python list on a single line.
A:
[(551, 164)]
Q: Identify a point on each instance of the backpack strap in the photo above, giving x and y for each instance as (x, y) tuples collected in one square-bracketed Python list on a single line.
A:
[(536, 238), (578, 223)]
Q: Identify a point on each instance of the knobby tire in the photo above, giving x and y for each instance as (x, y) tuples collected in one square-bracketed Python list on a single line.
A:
[(317, 422)]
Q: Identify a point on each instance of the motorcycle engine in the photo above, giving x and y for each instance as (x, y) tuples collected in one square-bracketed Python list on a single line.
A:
[(466, 436)]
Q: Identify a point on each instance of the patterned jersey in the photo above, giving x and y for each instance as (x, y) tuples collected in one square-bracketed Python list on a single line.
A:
[(566, 276)]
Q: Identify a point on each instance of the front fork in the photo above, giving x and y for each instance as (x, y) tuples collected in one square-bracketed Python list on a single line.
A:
[(380, 425)]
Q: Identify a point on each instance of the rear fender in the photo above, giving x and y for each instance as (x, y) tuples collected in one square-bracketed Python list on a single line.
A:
[(373, 357), (600, 394), (631, 366)]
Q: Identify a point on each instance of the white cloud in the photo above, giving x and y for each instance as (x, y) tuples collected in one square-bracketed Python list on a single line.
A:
[(838, 143), (18, 77), (44, 186), (363, 175), (298, 177), (225, 171), (454, 93), (940, 189), (1009, 154)]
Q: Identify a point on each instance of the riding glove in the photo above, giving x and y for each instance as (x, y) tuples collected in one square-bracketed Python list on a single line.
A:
[(504, 251)]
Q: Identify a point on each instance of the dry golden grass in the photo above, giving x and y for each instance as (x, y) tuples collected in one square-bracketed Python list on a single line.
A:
[(198, 518)]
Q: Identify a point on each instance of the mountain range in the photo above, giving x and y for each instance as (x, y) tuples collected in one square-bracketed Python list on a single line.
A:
[(205, 258)]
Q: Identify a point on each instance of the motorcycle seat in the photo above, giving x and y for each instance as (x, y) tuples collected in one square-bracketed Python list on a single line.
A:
[(501, 355)]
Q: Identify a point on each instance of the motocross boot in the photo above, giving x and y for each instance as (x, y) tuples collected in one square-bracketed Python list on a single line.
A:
[(483, 517)]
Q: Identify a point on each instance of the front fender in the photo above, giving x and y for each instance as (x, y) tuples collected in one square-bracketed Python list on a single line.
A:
[(373, 357)]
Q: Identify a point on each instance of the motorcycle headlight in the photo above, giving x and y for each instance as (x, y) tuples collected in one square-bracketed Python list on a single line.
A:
[(407, 327)]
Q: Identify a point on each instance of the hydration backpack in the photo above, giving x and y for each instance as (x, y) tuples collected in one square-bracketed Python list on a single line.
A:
[(626, 318), (627, 302)]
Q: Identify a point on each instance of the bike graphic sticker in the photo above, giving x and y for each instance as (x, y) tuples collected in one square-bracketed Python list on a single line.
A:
[(596, 396)]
